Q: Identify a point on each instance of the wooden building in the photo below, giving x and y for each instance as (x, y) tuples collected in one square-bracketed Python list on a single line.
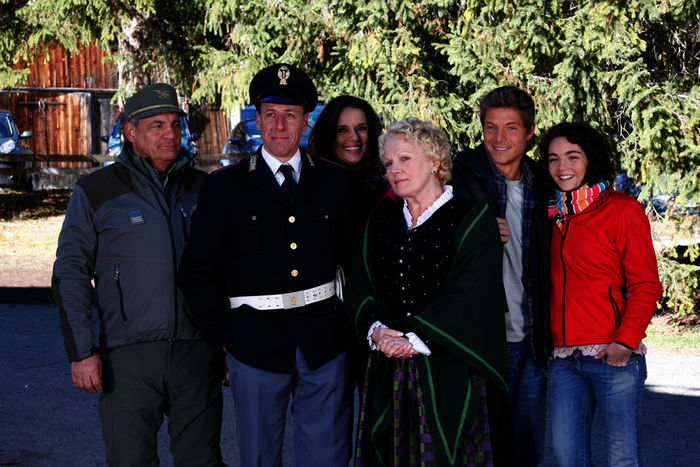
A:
[(66, 102)]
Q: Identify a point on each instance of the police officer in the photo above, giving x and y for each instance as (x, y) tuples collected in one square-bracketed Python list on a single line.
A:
[(125, 229), (259, 277)]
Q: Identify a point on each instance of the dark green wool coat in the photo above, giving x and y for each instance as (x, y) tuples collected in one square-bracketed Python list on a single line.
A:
[(463, 326)]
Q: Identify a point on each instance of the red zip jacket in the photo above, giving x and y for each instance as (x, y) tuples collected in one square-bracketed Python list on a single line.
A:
[(602, 253)]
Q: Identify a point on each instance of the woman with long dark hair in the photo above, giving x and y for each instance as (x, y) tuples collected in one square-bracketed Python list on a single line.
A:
[(347, 132)]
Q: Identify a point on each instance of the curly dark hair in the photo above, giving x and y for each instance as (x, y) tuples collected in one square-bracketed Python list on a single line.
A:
[(600, 153), (323, 133)]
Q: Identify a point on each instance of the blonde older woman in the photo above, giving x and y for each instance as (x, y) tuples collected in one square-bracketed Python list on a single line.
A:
[(425, 294)]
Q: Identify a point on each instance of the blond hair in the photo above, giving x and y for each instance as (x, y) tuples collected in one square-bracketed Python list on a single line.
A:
[(429, 137)]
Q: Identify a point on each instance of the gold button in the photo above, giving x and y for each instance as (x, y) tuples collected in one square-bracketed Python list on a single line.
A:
[(294, 273), (291, 219), (252, 218), (293, 246)]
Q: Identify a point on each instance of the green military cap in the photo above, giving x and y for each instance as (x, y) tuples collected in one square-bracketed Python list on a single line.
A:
[(152, 100), (282, 83)]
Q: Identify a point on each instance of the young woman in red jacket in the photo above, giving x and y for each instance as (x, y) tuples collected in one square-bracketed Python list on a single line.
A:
[(604, 288)]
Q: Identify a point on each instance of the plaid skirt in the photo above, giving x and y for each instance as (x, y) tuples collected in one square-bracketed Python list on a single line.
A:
[(410, 440)]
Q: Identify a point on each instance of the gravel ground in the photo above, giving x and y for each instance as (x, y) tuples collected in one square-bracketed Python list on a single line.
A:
[(45, 421)]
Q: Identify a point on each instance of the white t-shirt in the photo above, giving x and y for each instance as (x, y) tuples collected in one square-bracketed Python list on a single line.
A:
[(513, 263)]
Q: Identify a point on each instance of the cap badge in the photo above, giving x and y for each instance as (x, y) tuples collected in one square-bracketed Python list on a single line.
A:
[(163, 95), (283, 74)]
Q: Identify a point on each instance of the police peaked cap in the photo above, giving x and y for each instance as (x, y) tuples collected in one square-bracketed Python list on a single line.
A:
[(152, 100), (283, 84)]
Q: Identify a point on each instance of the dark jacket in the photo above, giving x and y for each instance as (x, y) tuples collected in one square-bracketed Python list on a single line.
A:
[(123, 231), (472, 178), (247, 239)]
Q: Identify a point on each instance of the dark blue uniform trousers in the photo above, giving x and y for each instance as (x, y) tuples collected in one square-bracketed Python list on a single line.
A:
[(321, 406)]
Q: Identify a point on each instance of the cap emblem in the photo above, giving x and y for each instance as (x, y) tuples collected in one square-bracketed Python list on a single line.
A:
[(283, 74), (163, 95)]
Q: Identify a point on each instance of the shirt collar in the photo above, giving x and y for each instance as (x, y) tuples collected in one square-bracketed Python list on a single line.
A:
[(275, 163), (497, 173), (527, 172), (142, 165), (437, 204), (524, 168)]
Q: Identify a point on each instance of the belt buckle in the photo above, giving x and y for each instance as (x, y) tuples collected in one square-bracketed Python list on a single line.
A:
[(293, 300)]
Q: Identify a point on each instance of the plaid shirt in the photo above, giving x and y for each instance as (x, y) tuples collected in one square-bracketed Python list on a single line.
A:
[(499, 181)]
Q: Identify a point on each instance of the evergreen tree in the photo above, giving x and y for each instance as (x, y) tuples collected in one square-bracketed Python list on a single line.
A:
[(631, 68)]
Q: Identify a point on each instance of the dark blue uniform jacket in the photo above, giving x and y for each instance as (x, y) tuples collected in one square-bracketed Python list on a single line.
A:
[(247, 239)]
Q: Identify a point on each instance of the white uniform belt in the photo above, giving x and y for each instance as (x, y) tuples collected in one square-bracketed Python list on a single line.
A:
[(286, 300)]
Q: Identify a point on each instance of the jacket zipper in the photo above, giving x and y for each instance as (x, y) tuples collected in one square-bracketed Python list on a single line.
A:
[(168, 213), (121, 293), (615, 308), (563, 295), (173, 248), (168, 216)]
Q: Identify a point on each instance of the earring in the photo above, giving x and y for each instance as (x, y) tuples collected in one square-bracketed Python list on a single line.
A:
[(433, 172)]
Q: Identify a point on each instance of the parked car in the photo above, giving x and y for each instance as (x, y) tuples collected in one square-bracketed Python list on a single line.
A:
[(662, 198), (11, 143), (245, 137), (114, 139), (10, 136)]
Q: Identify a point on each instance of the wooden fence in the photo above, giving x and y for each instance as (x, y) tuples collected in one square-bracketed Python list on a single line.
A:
[(41, 172)]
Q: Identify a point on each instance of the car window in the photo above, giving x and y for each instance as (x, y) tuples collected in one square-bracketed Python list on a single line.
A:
[(6, 127)]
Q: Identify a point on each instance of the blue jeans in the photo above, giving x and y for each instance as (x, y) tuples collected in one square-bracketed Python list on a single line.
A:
[(527, 385), (578, 385)]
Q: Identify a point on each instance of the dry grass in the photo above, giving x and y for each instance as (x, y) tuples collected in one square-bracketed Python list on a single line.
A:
[(27, 251), (667, 335), (29, 227)]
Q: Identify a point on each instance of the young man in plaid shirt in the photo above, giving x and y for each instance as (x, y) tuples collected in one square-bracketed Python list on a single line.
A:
[(499, 172)]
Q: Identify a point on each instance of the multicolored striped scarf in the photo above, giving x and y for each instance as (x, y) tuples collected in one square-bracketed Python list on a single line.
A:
[(566, 203)]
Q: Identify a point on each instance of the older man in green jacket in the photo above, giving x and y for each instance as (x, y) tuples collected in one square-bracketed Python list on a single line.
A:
[(125, 229)]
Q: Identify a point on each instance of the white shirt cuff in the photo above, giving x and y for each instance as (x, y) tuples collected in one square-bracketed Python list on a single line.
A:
[(375, 325), (417, 343)]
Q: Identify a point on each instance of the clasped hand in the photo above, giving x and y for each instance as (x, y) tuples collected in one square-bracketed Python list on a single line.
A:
[(392, 343)]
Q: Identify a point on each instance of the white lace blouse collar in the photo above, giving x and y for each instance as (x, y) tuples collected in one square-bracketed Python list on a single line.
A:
[(442, 199)]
